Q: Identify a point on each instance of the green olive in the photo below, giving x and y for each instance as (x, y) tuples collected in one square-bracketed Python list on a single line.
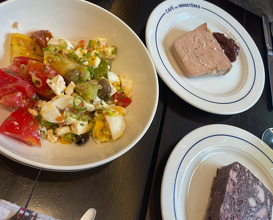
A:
[(72, 75)]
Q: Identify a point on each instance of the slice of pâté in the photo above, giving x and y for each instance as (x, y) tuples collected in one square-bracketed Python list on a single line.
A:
[(199, 54)]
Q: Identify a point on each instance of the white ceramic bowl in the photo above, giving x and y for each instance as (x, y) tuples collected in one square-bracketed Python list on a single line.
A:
[(75, 20)]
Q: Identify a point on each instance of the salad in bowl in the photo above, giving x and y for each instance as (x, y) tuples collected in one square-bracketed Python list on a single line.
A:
[(63, 91), (68, 86)]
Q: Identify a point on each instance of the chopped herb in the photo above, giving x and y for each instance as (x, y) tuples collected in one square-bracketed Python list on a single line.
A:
[(82, 60), (87, 55), (44, 69), (115, 51), (35, 97), (73, 56), (91, 70), (89, 44)]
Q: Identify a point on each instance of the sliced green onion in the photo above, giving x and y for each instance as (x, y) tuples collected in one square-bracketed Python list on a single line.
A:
[(110, 113), (37, 81), (91, 70), (85, 118), (89, 44), (63, 43), (76, 104), (73, 56), (46, 123), (82, 60), (74, 116)]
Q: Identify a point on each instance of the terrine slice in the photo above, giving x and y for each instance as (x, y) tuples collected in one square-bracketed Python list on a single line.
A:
[(238, 194), (199, 54)]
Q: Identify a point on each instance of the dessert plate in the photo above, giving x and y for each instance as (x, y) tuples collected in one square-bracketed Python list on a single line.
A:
[(192, 165), (230, 94)]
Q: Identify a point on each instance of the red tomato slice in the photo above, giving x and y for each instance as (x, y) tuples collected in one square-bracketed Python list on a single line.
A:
[(40, 73), (17, 100), (121, 100), (21, 60), (14, 100), (10, 84), (18, 68), (34, 72), (22, 126), (41, 37), (13, 70), (81, 44)]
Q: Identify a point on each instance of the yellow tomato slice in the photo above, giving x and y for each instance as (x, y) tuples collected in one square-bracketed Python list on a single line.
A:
[(24, 46)]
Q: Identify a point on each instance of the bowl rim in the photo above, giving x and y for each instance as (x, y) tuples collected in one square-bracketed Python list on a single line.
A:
[(73, 168)]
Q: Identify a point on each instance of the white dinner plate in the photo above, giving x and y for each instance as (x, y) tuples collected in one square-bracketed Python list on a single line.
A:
[(192, 166), (233, 93)]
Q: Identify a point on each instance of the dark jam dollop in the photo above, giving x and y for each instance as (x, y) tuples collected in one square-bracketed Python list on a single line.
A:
[(228, 45)]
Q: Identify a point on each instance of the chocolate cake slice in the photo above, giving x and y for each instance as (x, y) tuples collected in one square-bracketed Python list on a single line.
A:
[(237, 194)]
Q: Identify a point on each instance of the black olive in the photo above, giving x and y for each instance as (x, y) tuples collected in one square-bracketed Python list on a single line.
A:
[(72, 75), (106, 88), (82, 139)]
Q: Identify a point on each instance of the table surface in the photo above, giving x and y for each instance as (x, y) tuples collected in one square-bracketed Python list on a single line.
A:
[(129, 187)]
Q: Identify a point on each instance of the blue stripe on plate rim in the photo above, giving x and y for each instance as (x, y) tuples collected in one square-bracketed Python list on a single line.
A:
[(214, 102), (204, 138)]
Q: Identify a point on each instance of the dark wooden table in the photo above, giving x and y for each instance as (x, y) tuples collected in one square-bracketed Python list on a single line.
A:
[(129, 187)]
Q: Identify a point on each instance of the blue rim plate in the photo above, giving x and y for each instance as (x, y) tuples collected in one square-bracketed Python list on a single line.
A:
[(233, 93), (190, 169)]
